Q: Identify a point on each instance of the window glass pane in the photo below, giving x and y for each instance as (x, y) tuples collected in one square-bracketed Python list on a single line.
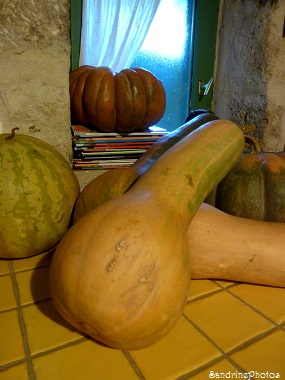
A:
[(167, 53)]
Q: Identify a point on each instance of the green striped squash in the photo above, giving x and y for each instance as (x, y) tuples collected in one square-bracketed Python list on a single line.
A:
[(38, 189)]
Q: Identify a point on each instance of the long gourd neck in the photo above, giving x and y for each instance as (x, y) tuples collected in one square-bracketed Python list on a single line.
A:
[(165, 142), (188, 171)]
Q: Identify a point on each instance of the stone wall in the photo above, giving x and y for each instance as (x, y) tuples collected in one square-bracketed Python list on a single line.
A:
[(35, 61), (250, 68)]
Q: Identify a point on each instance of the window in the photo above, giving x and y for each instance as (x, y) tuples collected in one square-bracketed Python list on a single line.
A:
[(167, 53), (179, 50)]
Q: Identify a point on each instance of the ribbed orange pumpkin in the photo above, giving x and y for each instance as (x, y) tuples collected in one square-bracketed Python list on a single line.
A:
[(130, 100)]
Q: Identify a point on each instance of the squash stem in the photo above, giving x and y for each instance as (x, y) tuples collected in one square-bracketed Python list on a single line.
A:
[(12, 135), (253, 143)]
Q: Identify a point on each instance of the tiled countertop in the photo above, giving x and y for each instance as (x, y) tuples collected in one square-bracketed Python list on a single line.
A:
[(227, 328)]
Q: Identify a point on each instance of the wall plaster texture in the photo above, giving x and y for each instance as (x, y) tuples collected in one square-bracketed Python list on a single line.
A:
[(250, 68), (35, 61)]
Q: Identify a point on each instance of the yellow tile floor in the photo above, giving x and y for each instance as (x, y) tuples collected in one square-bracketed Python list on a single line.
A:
[(227, 330)]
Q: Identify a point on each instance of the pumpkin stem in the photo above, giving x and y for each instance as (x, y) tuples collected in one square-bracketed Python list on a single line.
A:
[(248, 128), (254, 144), (11, 136)]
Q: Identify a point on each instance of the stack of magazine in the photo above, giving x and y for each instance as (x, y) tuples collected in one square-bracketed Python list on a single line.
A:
[(109, 150)]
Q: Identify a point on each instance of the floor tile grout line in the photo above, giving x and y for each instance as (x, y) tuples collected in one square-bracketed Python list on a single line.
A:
[(206, 336), (35, 303), (241, 346), (22, 323), (260, 313), (231, 284), (60, 347), (133, 364), (203, 296), (253, 340), (31, 269), (196, 371), (13, 308), (2, 275), (9, 365), (212, 292), (228, 290), (48, 351), (212, 362)]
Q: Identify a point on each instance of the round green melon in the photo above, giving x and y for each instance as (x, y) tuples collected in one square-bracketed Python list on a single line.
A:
[(38, 190)]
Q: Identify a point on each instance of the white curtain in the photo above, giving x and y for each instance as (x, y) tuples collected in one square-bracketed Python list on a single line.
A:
[(114, 30)]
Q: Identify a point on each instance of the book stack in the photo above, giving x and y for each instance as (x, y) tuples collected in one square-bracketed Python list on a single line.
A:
[(109, 150)]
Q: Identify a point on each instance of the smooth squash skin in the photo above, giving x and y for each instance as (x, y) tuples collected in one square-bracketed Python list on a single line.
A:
[(154, 94), (131, 104), (249, 251), (98, 98), (122, 273), (116, 182)]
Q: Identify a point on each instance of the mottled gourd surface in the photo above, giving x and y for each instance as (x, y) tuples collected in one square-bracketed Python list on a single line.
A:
[(38, 190)]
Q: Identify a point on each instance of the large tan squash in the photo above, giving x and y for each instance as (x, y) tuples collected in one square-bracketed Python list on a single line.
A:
[(121, 274)]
